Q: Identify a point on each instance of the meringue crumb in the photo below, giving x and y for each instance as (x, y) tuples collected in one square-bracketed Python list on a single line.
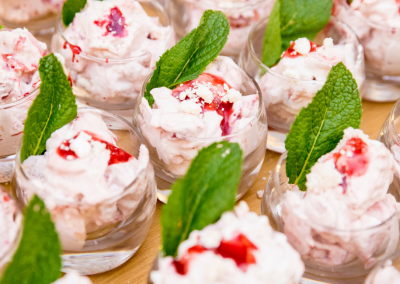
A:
[(241, 209), (210, 239), (302, 46), (260, 193), (328, 42), (191, 107)]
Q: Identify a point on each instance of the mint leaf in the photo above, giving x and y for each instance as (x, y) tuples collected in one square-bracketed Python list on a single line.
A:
[(319, 127), (272, 48), (53, 108), (70, 8), (199, 199), (191, 55), (1, 27), (37, 259), (298, 18)]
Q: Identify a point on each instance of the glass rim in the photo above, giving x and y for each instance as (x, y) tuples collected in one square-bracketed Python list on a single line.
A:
[(277, 184), (223, 137), (21, 100), (83, 54), (258, 61), (130, 127), (234, 5), (43, 23)]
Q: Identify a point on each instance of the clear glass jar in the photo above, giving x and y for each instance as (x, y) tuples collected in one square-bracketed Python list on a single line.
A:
[(242, 15), (12, 119), (278, 89), (392, 260), (121, 79), (380, 44), (41, 24), (387, 232), (389, 134), (106, 244), (8, 254), (166, 173)]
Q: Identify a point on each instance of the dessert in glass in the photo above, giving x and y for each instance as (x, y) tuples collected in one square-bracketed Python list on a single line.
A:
[(10, 229), (241, 247), (39, 16), (19, 80), (301, 72), (110, 48), (241, 14), (389, 134), (98, 184), (377, 25), (387, 271), (73, 278), (223, 103), (347, 220)]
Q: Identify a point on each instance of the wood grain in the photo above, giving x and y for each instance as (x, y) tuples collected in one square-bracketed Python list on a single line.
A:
[(136, 270)]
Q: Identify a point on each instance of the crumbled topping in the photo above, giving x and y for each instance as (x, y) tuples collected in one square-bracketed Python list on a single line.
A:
[(328, 42), (81, 145), (210, 239), (191, 107), (302, 46), (242, 209)]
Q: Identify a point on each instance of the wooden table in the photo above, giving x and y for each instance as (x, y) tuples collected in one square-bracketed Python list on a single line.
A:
[(136, 270)]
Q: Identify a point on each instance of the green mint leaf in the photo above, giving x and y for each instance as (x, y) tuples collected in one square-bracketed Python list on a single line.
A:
[(199, 199), (191, 55), (70, 8), (272, 47), (37, 259), (53, 108), (297, 19), (1, 27), (319, 127)]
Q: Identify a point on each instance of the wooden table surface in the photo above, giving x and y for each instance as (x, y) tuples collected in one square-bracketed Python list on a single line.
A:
[(136, 270)]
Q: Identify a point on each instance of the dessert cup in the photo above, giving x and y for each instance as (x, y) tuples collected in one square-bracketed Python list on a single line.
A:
[(123, 78), (107, 243), (255, 131), (12, 117), (380, 44), (391, 260), (387, 232), (389, 134), (281, 115), (242, 15), (8, 254)]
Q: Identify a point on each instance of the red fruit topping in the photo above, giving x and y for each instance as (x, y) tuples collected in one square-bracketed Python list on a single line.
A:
[(76, 50), (222, 108), (239, 249), (13, 63), (357, 163), (116, 24), (290, 52), (117, 155)]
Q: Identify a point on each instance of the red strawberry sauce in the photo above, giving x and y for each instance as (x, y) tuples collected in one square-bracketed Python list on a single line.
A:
[(76, 50), (290, 52), (115, 23), (239, 249)]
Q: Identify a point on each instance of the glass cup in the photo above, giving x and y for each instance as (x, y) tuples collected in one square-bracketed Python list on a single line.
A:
[(6, 256), (120, 79), (389, 134), (12, 119), (282, 112), (167, 172), (380, 44), (391, 260), (186, 15), (42, 27), (385, 236), (112, 243)]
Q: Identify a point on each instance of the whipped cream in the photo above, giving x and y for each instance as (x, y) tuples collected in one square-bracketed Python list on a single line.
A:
[(73, 278), (386, 274), (240, 248), (22, 11), (85, 180), (241, 14), (19, 77), (375, 23), (290, 88), (347, 191), (9, 226), (112, 30), (208, 107)]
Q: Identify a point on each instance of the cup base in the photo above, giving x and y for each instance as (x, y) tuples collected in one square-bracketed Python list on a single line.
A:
[(382, 89), (244, 185), (88, 263), (276, 141), (6, 168)]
